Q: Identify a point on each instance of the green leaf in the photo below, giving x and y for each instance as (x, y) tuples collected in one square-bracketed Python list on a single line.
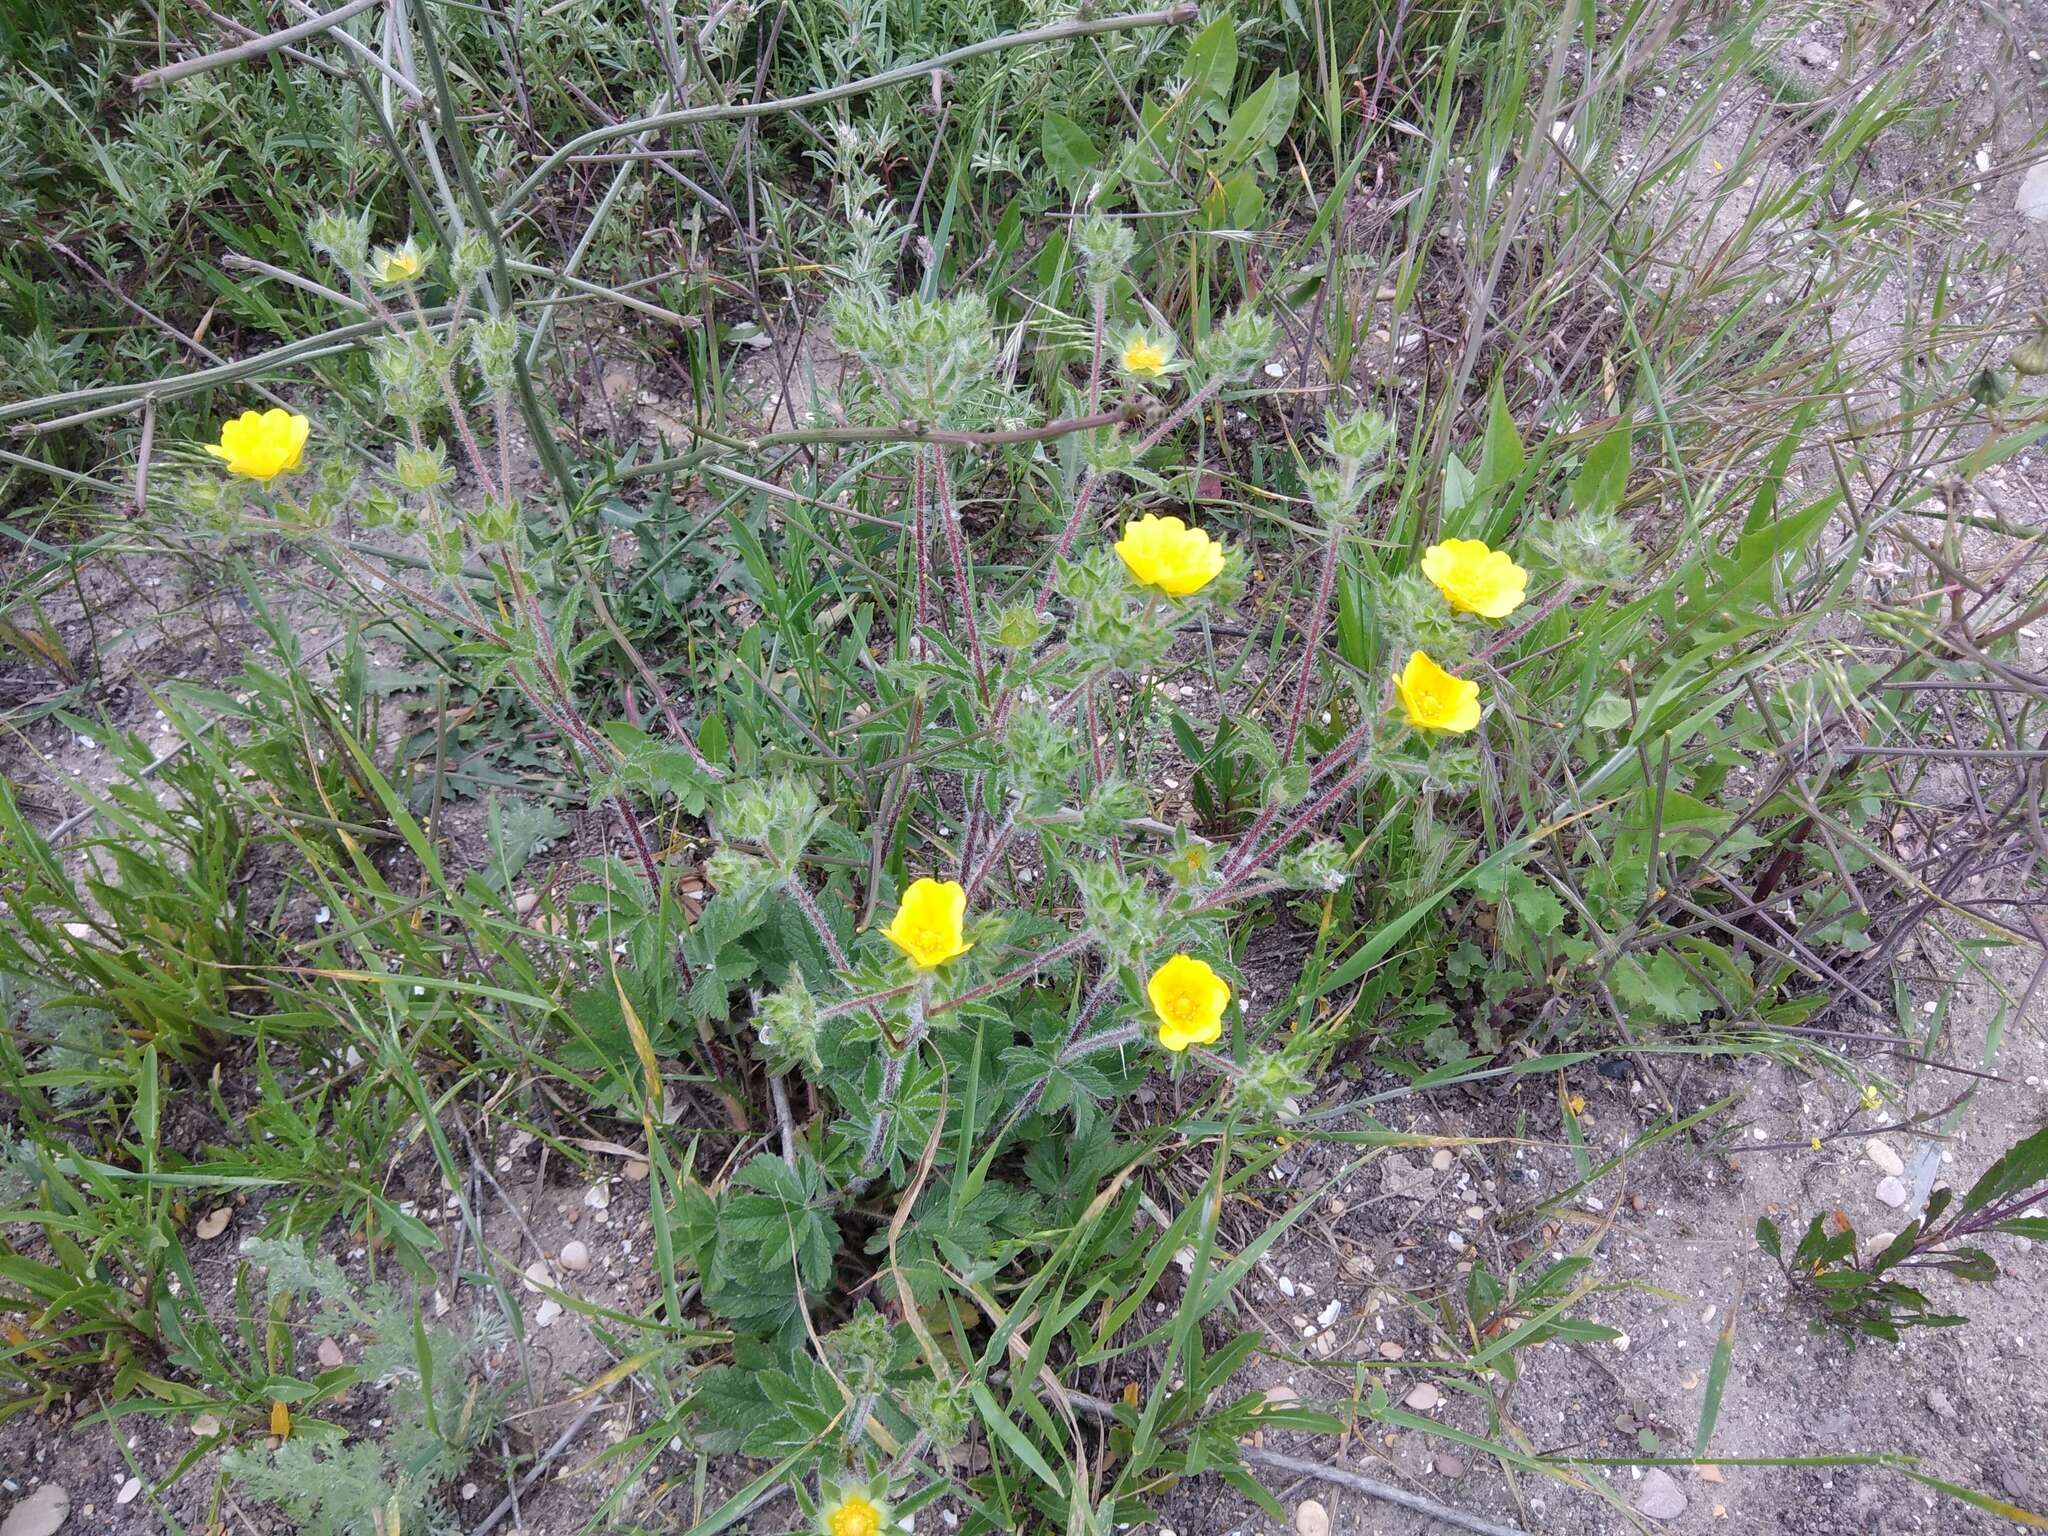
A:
[(1212, 60), (516, 830), (2022, 1168), (1609, 712), (1660, 987), (1001, 1426), (1503, 457), (1599, 484), (1717, 1375), (1460, 485), (1070, 155), (1259, 122)]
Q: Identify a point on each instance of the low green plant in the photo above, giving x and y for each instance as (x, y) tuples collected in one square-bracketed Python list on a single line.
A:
[(1864, 1293)]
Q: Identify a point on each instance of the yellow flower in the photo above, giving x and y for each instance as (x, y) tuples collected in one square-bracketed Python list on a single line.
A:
[(1166, 553), (263, 446), (853, 1515), (1475, 579), (1189, 999), (1872, 1099), (1145, 358), (1816, 1143), (1433, 699), (928, 922), (1577, 1103), (396, 263)]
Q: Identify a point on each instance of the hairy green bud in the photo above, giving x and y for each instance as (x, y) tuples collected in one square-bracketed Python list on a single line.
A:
[(941, 1409), (494, 344), (1244, 340), (1317, 867), (343, 238), (1414, 617), (1592, 549), (1271, 1087), (860, 1350), (1120, 910), (469, 261), (1018, 627), (495, 522), (926, 353), (407, 369), (1360, 440), (1105, 246), (1039, 757), (778, 816), (423, 469), (786, 1026)]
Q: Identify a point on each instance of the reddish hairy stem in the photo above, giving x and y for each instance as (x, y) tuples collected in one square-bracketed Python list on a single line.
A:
[(956, 553), (1324, 586)]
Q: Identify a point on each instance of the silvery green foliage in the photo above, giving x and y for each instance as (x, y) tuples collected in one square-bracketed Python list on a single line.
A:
[(1593, 549), (1040, 756), (925, 354), (1244, 340), (1413, 615), (1105, 247), (407, 367), (773, 821), (1120, 910), (343, 238), (786, 1027)]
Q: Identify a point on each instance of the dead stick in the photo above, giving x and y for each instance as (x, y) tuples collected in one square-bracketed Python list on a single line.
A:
[(255, 48)]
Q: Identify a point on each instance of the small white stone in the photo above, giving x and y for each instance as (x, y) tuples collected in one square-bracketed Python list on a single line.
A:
[(468, 1491), (1882, 1155), (1892, 1192), (537, 1275), (128, 1491), (599, 1196), (1329, 1314), (575, 1256), (1286, 1286), (545, 1315)]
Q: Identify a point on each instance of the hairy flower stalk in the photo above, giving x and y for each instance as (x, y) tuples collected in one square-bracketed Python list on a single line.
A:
[(892, 1074), (956, 553), (1326, 584), (1246, 863), (919, 535)]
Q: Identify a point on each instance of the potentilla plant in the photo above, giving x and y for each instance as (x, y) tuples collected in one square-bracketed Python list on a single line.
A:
[(1015, 978)]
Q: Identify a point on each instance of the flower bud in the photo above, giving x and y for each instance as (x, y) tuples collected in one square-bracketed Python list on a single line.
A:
[(494, 522), (423, 469), (405, 371), (1244, 340), (1360, 440), (1104, 246), (469, 261), (1593, 549), (494, 344), (786, 1027), (343, 238)]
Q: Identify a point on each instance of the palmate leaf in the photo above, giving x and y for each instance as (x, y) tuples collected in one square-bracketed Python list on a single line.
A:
[(780, 1212), (768, 1403)]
